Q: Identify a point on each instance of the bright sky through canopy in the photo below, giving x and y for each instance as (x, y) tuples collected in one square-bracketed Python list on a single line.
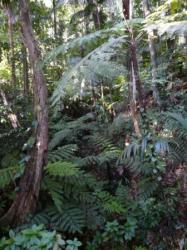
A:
[(48, 3)]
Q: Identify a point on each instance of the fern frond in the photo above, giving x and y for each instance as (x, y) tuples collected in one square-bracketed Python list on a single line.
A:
[(170, 28), (70, 219), (40, 218), (123, 193), (146, 188), (177, 123), (90, 39), (70, 130), (54, 189), (85, 70), (62, 169), (90, 160), (101, 142), (110, 203), (66, 152)]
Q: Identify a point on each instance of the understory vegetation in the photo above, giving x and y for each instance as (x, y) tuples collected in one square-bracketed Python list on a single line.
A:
[(101, 162)]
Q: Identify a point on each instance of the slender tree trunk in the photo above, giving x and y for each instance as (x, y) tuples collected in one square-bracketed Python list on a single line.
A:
[(11, 20), (152, 50), (134, 88), (29, 187), (126, 9), (25, 72), (54, 18), (136, 84), (11, 116), (95, 14)]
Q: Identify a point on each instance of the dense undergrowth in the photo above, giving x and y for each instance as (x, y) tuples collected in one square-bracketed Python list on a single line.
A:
[(105, 187)]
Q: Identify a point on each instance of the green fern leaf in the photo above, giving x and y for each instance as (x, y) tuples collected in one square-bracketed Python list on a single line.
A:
[(62, 169)]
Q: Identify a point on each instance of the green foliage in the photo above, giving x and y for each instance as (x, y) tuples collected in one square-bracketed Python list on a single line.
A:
[(66, 152), (69, 219), (103, 184), (73, 244), (37, 238), (170, 29), (7, 175), (69, 131), (113, 231), (62, 169), (130, 227)]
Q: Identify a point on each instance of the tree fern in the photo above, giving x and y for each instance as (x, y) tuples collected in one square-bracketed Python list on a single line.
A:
[(84, 69), (92, 38)]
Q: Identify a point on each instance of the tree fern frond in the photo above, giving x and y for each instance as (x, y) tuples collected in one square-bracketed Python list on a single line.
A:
[(172, 28), (90, 39), (84, 69)]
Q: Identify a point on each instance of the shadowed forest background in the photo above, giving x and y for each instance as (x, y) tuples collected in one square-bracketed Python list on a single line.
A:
[(93, 124)]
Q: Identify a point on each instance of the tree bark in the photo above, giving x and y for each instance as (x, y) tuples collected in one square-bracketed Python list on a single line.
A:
[(26, 199), (152, 50), (25, 72)]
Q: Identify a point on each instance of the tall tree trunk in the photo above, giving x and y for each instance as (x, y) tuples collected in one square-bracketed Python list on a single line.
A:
[(11, 20), (25, 72), (134, 88), (29, 187), (152, 50), (136, 84)]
